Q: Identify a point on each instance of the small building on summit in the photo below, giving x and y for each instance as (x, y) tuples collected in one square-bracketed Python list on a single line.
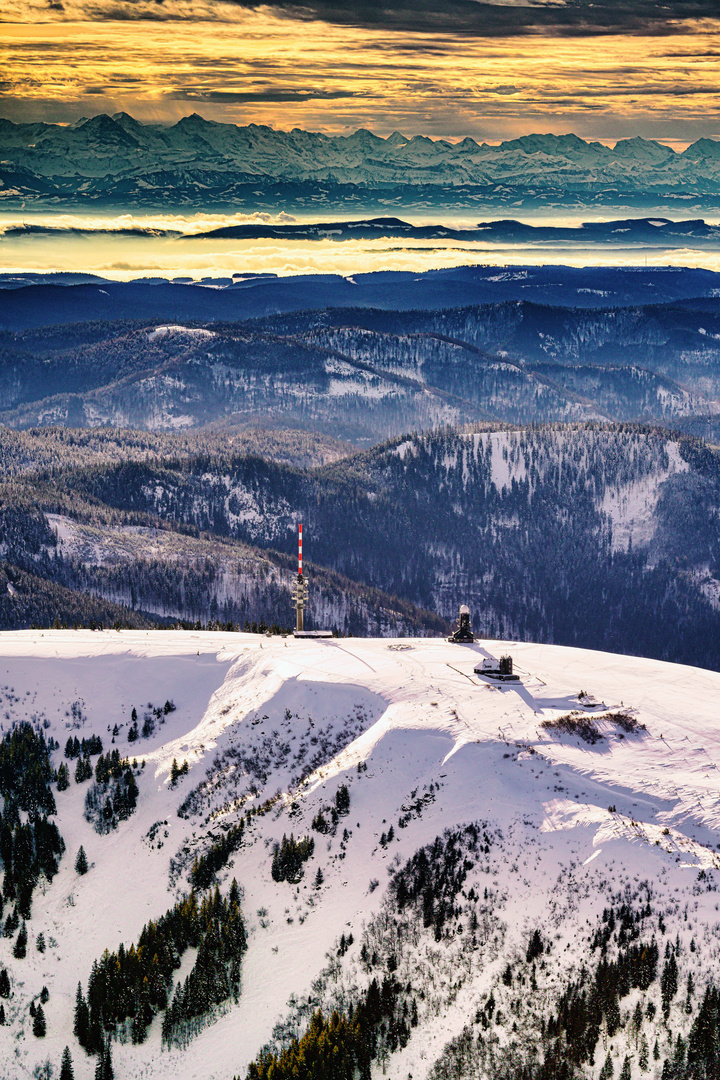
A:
[(499, 670)]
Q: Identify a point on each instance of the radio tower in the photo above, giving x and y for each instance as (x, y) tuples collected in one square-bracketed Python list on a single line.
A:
[(301, 598), (300, 586)]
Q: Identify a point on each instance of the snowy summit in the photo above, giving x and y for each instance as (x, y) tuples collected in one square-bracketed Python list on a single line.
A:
[(405, 835)]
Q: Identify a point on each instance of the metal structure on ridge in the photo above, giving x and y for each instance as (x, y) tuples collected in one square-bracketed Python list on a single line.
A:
[(300, 588), (301, 598)]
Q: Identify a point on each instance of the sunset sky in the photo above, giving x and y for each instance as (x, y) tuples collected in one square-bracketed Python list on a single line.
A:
[(493, 71)]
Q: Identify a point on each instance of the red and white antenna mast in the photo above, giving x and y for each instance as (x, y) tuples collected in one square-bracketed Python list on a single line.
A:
[(301, 598), (300, 586)]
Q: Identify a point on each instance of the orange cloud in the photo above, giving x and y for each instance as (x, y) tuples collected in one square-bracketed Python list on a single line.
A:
[(257, 68)]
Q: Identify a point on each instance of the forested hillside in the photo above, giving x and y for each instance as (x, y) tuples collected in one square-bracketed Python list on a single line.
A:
[(601, 536), (366, 375), (677, 341)]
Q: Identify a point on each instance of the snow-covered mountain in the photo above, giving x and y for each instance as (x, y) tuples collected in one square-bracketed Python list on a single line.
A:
[(525, 872), (117, 159)]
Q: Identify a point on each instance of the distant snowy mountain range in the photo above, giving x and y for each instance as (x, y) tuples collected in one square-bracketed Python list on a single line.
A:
[(116, 159)]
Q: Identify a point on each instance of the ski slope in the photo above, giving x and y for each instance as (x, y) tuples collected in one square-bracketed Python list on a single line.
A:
[(436, 745)]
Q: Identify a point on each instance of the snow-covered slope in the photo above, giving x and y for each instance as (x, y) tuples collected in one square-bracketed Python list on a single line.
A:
[(423, 745)]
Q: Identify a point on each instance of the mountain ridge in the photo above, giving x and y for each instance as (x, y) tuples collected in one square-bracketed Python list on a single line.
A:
[(121, 160)]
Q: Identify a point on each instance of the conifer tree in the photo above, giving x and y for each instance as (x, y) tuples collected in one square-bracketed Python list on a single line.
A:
[(4, 983), (174, 772), (66, 1066), (81, 863), (40, 942), (20, 948), (625, 1073), (13, 920), (2, 1013), (644, 1055), (606, 1073), (83, 769), (668, 983), (105, 1063), (81, 1022), (63, 780), (39, 1024)]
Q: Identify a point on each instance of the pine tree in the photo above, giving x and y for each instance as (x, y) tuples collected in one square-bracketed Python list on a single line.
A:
[(612, 1013), (39, 1025), (20, 948), (2, 1013), (83, 769), (625, 1073), (428, 907), (174, 772), (81, 1023), (607, 1071), (668, 983), (108, 1073), (81, 863), (40, 942), (4, 983), (66, 1066), (63, 780), (644, 1055)]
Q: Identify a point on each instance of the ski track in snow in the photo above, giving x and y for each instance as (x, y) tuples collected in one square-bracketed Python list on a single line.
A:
[(420, 716)]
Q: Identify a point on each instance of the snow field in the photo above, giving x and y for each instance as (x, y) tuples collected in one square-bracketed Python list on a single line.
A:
[(437, 747)]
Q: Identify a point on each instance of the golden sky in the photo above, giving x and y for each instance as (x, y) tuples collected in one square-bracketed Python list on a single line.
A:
[(335, 69)]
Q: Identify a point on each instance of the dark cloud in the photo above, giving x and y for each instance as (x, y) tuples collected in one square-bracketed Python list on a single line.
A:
[(703, 54), (476, 18), (577, 18), (234, 97)]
